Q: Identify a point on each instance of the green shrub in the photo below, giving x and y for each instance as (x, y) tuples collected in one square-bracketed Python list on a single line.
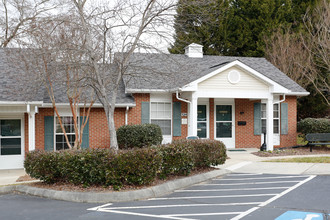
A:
[(125, 167), (43, 165), (130, 136), (208, 153), (94, 166), (177, 158), (314, 125)]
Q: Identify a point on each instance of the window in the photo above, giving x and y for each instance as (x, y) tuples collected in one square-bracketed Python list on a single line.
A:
[(161, 115), (68, 125), (276, 118), (10, 137)]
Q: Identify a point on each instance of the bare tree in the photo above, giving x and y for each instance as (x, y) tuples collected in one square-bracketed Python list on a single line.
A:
[(18, 16), (305, 57), (129, 21)]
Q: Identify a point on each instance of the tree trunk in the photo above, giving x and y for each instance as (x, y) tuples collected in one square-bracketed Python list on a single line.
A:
[(109, 111)]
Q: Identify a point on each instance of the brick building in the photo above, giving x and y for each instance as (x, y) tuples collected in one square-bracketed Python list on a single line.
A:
[(231, 99)]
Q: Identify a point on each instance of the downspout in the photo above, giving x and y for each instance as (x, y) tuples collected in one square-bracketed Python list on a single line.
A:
[(126, 115), (181, 99), (280, 100)]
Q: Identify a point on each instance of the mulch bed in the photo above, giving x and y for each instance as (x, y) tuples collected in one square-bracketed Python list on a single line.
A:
[(79, 188), (302, 150)]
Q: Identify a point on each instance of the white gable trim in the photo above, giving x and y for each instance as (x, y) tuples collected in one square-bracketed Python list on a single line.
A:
[(276, 88)]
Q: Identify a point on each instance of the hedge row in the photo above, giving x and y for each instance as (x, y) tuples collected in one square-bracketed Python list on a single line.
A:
[(145, 135), (314, 125), (125, 167)]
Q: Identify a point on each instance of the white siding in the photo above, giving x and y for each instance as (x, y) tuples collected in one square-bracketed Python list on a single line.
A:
[(220, 84)]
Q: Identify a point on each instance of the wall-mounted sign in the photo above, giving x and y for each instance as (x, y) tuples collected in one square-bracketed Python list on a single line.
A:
[(223, 112), (184, 121), (184, 114)]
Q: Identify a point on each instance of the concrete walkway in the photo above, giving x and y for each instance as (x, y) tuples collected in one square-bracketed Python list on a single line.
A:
[(245, 162), (8, 177)]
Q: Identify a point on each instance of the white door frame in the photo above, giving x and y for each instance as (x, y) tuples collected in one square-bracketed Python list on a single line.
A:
[(14, 161), (229, 142), (204, 102)]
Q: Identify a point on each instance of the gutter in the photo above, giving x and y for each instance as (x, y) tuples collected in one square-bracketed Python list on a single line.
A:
[(280, 100), (181, 99)]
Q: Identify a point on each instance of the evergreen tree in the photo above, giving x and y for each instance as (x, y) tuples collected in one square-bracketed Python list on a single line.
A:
[(234, 27)]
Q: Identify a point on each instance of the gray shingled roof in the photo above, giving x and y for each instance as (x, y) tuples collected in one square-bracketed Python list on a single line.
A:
[(19, 84), (172, 71)]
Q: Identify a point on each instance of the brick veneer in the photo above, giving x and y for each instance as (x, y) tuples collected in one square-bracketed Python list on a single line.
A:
[(134, 114), (211, 104), (291, 138), (99, 135), (244, 135)]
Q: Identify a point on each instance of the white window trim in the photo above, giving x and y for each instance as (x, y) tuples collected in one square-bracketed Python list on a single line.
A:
[(21, 118), (64, 112), (278, 118), (207, 117), (171, 114)]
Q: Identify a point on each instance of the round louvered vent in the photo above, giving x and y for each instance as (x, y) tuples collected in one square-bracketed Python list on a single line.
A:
[(234, 76)]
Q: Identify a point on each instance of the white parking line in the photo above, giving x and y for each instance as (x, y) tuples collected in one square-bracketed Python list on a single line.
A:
[(263, 178), (225, 190), (273, 198), (145, 215), (210, 197), (205, 214), (253, 183), (181, 205)]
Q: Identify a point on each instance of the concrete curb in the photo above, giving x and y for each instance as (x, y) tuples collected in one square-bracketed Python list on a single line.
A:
[(126, 196)]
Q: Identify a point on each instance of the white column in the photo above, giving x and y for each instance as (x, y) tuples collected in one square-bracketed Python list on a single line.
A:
[(32, 127), (269, 124), (192, 127)]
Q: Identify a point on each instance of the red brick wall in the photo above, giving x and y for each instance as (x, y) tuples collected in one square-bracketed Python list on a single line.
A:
[(245, 137), (291, 138), (134, 114), (184, 109), (98, 126), (40, 126), (211, 104)]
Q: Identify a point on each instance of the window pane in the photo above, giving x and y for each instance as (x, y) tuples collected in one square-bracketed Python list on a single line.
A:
[(275, 107), (263, 114), (201, 129), (160, 107), (58, 129), (11, 127), (153, 106), (168, 107), (263, 125), (223, 113), (201, 113), (275, 114), (10, 146), (224, 129), (165, 126), (276, 126), (263, 107)]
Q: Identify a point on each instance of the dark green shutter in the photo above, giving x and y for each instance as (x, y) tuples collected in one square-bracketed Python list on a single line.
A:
[(85, 137), (257, 118), (284, 118), (176, 119), (145, 113), (49, 133)]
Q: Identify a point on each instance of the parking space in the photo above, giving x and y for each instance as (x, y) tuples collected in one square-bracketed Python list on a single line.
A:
[(233, 196)]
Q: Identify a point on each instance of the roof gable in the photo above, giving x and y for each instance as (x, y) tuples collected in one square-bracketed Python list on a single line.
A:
[(277, 88)]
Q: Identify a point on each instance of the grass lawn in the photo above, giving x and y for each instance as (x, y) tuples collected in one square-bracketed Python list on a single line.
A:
[(303, 160)]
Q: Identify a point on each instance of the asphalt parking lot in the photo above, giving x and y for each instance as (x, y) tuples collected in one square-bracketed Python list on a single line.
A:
[(234, 196)]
